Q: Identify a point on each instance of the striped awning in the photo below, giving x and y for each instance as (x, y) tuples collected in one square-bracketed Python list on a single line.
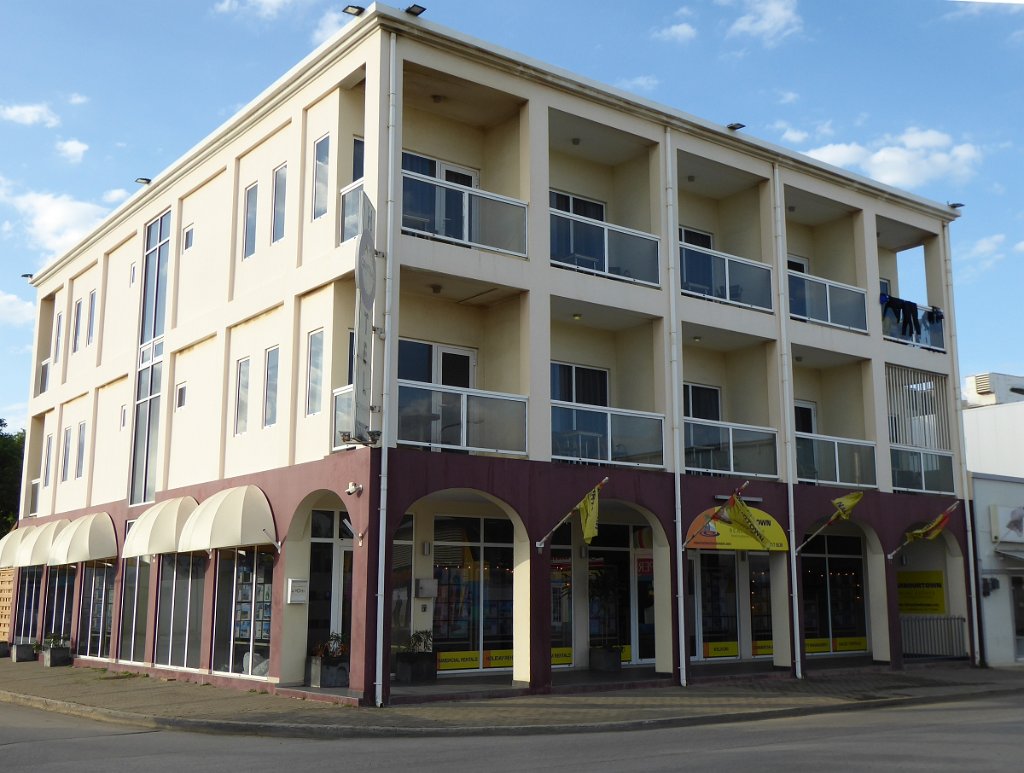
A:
[(230, 518), (88, 538), (35, 547), (159, 528)]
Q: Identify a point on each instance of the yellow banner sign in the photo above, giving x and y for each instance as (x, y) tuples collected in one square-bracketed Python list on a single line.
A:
[(839, 644), (762, 647), (921, 593), (711, 534), (721, 649)]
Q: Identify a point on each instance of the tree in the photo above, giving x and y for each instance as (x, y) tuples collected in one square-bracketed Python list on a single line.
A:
[(12, 451)]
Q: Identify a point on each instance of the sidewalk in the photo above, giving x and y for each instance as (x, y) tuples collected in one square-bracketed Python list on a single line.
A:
[(162, 703)]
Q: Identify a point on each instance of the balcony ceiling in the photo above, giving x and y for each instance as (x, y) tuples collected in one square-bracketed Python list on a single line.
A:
[(710, 178), (812, 210), (595, 316), (456, 289), (822, 359), (719, 339), (456, 99), (899, 236), (598, 143)]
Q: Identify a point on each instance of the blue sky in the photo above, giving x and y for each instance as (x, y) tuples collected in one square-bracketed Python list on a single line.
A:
[(926, 95)]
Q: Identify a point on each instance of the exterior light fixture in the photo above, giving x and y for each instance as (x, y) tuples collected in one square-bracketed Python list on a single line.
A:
[(143, 180), (577, 316), (954, 204), (415, 9), (26, 276), (697, 339), (734, 126), (353, 10)]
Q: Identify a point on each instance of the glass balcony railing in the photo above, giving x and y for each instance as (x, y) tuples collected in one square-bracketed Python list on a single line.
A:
[(596, 434), (723, 277), (351, 210), (823, 459), (600, 248), (714, 446), (463, 419), (912, 324), (463, 215), (917, 470), (831, 303), (344, 407)]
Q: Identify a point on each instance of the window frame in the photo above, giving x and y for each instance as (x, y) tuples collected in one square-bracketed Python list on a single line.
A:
[(318, 333), (250, 211), (90, 335), (65, 455), (321, 187), (688, 387), (242, 366), (270, 405), (80, 449), (278, 203)]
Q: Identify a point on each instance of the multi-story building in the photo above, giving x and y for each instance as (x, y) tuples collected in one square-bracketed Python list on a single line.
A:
[(349, 363)]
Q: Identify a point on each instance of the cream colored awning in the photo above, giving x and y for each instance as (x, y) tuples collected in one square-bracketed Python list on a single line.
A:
[(88, 538), (159, 528), (9, 546), (229, 519), (35, 546)]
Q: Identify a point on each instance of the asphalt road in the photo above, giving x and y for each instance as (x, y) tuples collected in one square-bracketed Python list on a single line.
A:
[(977, 735)]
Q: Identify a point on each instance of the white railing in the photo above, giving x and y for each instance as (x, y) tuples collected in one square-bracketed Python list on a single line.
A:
[(458, 418), (721, 447), (723, 277), (601, 248), (591, 433), (825, 459), (915, 469), (827, 302), (457, 213)]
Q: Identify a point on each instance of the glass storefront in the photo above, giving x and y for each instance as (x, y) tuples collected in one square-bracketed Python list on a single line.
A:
[(621, 591), (134, 605), (561, 596), (242, 617), (330, 578), (832, 589), (96, 611), (179, 626), (60, 593), (734, 605), (30, 580)]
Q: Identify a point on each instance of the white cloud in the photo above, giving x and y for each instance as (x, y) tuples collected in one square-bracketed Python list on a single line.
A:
[(268, 9), (77, 99), (789, 133), (55, 223), (824, 129), (676, 33), (788, 97), (980, 257), (914, 158), (72, 150), (329, 23), (115, 196), (1018, 247), (16, 416), (639, 83), (6, 228), (769, 20), (29, 115), (15, 311)]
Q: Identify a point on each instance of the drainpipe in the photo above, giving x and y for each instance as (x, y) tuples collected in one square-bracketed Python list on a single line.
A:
[(974, 604), (389, 342), (787, 410), (675, 350)]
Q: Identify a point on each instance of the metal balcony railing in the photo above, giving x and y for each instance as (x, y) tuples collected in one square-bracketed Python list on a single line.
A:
[(590, 433), (914, 469), (824, 459), (463, 215), (922, 328), (827, 302), (724, 277), (601, 248), (720, 447)]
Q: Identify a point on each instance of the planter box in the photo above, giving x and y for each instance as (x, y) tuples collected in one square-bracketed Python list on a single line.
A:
[(328, 672), (416, 667), (605, 659), (56, 656), (23, 652)]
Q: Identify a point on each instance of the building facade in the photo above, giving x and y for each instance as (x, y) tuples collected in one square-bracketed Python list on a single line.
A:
[(347, 365)]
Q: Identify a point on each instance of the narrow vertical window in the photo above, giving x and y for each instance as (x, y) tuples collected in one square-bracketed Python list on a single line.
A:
[(58, 333), (179, 395), (270, 389), (76, 327), (80, 457), (188, 238), (242, 397), (250, 221), (65, 455), (315, 372), (280, 186), (91, 335), (358, 147), (131, 276), (322, 155), (47, 460)]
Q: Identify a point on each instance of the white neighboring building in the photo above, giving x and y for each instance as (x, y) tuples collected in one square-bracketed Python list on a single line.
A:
[(992, 425)]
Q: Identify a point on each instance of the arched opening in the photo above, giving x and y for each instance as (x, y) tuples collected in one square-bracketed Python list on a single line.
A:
[(932, 596)]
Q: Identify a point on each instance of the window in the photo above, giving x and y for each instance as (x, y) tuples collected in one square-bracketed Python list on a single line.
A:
[(179, 395), (131, 275), (280, 185), (702, 402), (884, 286), (26, 621), (91, 335), (242, 397), (96, 610), (578, 384), (80, 457), (314, 372), (47, 459), (124, 416), (357, 159), (695, 237), (577, 205), (249, 239), (832, 583), (179, 620), (76, 327), (65, 455), (134, 605), (805, 416), (241, 629), (58, 333), (188, 238), (321, 176), (60, 595), (270, 388)]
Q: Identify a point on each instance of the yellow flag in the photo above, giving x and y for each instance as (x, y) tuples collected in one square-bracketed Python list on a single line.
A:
[(741, 517), (844, 505), (588, 513)]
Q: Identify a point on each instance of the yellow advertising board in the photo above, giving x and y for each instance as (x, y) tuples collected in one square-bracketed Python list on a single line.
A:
[(839, 644), (706, 534), (921, 593), (561, 656), (721, 649), (762, 647)]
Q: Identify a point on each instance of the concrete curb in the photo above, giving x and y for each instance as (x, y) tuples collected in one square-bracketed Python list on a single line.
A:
[(336, 731)]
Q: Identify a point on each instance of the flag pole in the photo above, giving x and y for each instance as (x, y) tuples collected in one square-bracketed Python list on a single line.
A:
[(540, 543), (715, 512), (829, 522), (920, 532)]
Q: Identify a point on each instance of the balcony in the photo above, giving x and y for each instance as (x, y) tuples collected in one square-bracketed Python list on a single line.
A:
[(730, 449), (461, 419), (824, 459), (908, 323), (917, 470), (828, 303), (722, 277), (468, 216), (599, 248), (609, 436), (351, 210)]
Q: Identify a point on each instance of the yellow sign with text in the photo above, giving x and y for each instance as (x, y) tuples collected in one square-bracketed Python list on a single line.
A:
[(921, 593), (762, 647), (721, 649), (839, 644)]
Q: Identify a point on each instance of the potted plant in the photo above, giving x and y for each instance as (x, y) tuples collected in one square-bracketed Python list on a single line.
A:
[(415, 662), (23, 652), (328, 665), (56, 650)]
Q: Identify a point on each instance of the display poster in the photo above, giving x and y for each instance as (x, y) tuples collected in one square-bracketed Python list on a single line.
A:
[(722, 649), (762, 647), (921, 593)]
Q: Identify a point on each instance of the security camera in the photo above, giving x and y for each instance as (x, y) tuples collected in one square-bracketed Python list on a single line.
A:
[(354, 488)]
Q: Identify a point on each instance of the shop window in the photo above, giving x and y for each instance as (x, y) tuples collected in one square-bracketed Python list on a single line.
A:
[(179, 627), (242, 618), (59, 609), (833, 593), (30, 579), (95, 612), (134, 606)]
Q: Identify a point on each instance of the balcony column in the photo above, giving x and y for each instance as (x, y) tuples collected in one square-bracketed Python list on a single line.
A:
[(866, 245), (876, 421), (531, 653)]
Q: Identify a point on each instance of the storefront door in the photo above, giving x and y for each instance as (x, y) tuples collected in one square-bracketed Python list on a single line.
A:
[(330, 578), (713, 582)]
